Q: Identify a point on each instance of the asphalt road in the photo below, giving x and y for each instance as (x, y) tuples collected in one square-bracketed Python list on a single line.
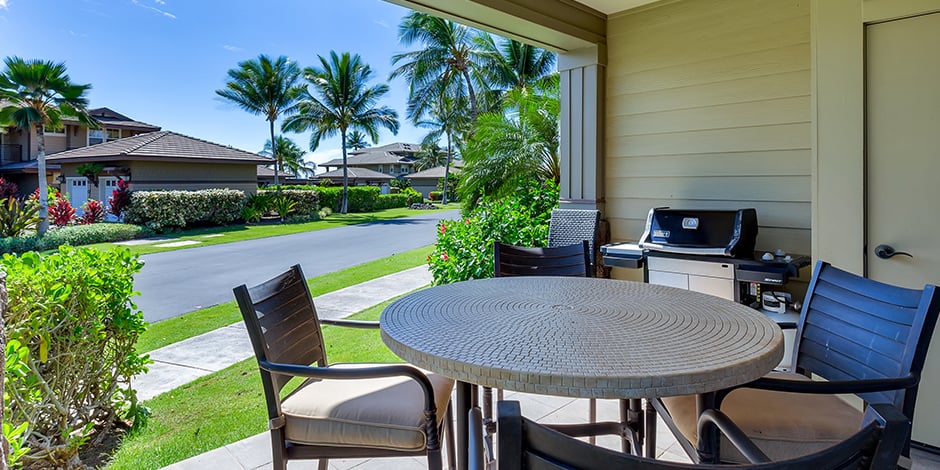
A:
[(178, 282)]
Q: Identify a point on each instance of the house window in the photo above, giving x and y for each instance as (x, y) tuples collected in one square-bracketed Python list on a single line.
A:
[(379, 169), (54, 130), (405, 170), (113, 134), (95, 136)]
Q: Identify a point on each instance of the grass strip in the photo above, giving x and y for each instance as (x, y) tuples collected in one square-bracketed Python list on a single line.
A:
[(235, 233), (228, 405), (201, 321)]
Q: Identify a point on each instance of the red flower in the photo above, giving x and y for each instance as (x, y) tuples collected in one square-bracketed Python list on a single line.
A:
[(443, 228), (444, 257), (466, 222)]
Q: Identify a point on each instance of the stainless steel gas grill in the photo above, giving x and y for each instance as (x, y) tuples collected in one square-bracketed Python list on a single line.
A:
[(712, 251)]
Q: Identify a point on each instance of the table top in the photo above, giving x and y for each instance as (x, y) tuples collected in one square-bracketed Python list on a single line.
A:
[(582, 337)]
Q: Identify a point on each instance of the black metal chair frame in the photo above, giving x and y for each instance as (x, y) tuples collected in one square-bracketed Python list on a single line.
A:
[(527, 445), (290, 288), (843, 364)]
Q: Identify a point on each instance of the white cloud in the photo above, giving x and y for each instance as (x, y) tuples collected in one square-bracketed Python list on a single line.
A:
[(232, 48), (154, 9), (381, 23), (3, 4)]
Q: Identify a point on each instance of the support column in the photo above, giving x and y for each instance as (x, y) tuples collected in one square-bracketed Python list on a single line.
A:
[(583, 83)]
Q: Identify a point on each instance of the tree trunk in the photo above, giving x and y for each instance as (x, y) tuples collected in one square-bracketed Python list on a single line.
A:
[(343, 207), (274, 154), (473, 97), (4, 445), (43, 191), (446, 170)]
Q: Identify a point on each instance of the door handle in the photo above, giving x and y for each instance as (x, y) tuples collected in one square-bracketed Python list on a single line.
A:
[(887, 252)]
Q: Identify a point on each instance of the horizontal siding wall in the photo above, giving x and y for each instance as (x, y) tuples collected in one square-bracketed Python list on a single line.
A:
[(708, 106)]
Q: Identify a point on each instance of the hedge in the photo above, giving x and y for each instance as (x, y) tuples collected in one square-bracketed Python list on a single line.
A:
[(163, 210), (308, 202), (74, 235)]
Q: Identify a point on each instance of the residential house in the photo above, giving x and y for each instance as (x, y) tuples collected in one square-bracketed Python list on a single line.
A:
[(19, 148), (356, 176), (395, 159), (160, 160), (427, 180), (266, 177), (822, 114)]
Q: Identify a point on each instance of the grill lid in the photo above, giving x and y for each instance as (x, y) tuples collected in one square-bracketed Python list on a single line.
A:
[(701, 232)]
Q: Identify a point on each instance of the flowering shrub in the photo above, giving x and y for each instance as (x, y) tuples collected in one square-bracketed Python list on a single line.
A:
[(72, 328), (8, 189), (120, 198), (74, 235), (435, 195), (464, 247), (92, 212), (61, 212), (165, 210)]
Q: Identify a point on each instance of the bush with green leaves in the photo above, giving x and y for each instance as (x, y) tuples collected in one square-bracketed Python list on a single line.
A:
[(388, 201), (74, 235), (414, 197), (306, 201), (168, 210), (72, 312), (464, 247)]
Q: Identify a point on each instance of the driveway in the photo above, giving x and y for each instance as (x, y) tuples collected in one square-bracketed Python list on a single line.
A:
[(178, 282)]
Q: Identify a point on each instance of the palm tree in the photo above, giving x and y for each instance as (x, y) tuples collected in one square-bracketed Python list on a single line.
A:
[(446, 64), (36, 94), (289, 156), (265, 87), (446, 120), (343, 101), (430, 156), (357, 140), (513, 146), (510, 64)]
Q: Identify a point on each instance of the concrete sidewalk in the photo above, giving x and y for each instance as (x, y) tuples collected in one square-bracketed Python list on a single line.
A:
[(187, 360)]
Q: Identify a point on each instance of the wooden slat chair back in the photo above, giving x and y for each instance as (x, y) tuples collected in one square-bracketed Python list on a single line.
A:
[(853, 328), (527, 445), (568, 226), (569, 260)]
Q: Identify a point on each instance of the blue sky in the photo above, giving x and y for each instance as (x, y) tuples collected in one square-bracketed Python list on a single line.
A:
[(160, 61)]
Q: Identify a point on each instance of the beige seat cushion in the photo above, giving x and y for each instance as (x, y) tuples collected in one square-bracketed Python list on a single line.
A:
[(385, 413), (783, 425)]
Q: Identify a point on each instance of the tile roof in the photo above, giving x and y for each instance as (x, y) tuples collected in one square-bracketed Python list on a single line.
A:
[(110, 118), (396, 147), (434, 173), (394, 153), (160, 146), (357, 173)]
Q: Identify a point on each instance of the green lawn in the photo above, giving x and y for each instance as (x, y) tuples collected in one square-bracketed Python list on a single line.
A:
[(201, 321), (227, 406), (235, 233)]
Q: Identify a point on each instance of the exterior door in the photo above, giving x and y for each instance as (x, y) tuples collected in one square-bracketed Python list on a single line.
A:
[(903, 169), (106, 186), (77, 192)]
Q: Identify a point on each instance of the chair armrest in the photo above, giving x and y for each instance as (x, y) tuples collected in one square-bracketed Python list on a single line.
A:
[(391, 370), (737, 438), (366, 325), (835, 386), (787, 325)]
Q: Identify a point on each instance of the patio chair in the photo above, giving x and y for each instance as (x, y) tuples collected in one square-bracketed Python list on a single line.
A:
[(338, 411), (527, 445), (568, 226), (860, 336)]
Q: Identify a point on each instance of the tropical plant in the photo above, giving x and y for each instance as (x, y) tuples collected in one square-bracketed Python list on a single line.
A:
[(18, 217), (90, 171), (447, 63), (284, 206), (256, 206), (265, 87), (120, 198), (445, 119), (342, 101), (356, 141), (61, 212), (291, 156), (512, 147), (8, 189), (400, 183), (92, 212), (35, 94)]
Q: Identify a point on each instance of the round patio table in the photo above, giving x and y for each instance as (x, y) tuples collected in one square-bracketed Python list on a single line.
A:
[(581, 337)]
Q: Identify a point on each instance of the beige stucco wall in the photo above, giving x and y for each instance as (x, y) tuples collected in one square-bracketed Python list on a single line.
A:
[(151, 176), (708, 106)]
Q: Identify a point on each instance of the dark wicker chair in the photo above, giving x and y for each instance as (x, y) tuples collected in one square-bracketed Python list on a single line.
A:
[(569, 260), (340, 411), (861, 336), (527, 445), (569, 226)]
